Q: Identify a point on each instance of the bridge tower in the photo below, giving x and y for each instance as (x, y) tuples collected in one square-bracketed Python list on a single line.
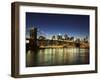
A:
[(33, 39), (33, 33)]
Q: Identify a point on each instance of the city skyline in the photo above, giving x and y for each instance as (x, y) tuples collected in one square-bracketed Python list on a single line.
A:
[(58, 24), (57, 39)]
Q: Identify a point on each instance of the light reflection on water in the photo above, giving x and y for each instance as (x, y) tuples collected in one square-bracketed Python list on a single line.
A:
[(58, 56)]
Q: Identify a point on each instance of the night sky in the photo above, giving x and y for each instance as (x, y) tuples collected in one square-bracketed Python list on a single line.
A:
[(54, 24)]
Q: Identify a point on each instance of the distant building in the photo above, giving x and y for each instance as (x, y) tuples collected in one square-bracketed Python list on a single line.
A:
[(65, 36), (42, 38)]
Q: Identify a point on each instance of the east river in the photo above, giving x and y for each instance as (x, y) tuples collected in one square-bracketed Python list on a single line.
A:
[(57, 56)]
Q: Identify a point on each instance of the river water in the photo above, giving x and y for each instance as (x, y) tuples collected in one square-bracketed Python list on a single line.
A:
[(57, 56)]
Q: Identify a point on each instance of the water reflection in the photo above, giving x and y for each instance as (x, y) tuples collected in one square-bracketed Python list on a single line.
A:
[(58, 56)]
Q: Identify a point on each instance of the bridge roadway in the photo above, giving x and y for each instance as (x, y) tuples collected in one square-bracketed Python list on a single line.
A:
[(64, 43)]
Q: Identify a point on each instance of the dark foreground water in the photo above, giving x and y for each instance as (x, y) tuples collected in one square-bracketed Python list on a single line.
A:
[(58, 56)]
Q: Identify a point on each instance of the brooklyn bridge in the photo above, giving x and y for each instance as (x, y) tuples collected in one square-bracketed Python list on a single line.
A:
[(34, 43)]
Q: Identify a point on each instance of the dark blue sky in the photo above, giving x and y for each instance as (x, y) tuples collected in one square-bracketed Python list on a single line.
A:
[(53, 24)]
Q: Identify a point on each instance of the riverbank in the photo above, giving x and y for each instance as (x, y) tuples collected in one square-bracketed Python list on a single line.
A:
[(60, 46)]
